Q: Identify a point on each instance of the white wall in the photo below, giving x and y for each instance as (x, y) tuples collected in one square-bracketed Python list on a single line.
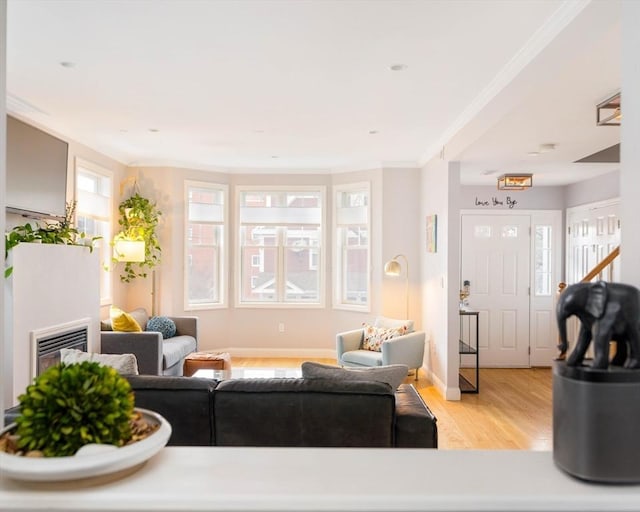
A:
[(596, 189), (489, 198), (629, 147), (440, 191), (402, 224), (3, 154)]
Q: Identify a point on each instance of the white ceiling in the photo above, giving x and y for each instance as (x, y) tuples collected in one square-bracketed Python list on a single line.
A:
[(300, 85)]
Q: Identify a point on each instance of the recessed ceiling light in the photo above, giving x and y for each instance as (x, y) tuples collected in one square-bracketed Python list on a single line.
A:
[(489, 172), (122, 130), (68, 64), (258, 131), (275, 156), (398, 67), (533, 153), (373, 132), (154, 130), (545, 148)]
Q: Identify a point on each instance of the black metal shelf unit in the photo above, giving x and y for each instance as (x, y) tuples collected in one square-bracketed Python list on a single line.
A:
[(469, 347)]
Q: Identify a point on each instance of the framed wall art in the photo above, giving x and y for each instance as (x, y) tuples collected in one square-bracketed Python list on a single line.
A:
[(432, 233)]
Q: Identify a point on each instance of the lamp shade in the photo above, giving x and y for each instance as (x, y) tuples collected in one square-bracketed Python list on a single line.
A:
[(129, 250), (392, 268)]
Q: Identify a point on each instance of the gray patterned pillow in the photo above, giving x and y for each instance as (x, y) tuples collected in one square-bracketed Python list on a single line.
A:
[(392, 374)]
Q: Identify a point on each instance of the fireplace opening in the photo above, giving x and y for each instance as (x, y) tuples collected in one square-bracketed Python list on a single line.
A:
[(48, 348)]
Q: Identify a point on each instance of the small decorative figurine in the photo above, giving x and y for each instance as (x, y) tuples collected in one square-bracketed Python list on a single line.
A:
[(607, 312)]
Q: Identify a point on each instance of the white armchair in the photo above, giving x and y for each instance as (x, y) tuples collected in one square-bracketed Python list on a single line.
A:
[(406, 349)]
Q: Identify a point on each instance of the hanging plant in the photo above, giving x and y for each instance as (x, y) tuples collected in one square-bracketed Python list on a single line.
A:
[(138, 221)]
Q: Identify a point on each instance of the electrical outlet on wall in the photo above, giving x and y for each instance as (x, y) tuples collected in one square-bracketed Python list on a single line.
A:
[(281, 327)]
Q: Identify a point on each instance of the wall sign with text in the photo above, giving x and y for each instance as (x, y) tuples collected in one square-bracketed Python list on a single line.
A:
[(494, 202)]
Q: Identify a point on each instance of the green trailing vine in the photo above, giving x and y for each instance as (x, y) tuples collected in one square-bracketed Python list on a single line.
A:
[(60, 232), (139, 219)]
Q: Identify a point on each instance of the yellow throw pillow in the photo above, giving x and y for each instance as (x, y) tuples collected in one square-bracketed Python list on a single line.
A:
[(124, 322)]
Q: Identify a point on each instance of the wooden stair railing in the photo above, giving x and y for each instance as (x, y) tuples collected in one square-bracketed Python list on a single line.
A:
[(590, 275), (595, 270), (602, 265)]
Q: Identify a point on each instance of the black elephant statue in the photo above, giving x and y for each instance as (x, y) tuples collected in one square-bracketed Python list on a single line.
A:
[(607, 312)]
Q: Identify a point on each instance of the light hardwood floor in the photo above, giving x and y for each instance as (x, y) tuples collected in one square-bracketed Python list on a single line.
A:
[(512, 410)]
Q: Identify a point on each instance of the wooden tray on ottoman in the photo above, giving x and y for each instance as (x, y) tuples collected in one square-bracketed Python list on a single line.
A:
[(206, 360)]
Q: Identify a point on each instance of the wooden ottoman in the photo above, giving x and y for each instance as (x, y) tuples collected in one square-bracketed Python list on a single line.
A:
[(206, 360)]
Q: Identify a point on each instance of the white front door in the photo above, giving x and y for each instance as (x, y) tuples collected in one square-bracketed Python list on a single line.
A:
[(495, 260)]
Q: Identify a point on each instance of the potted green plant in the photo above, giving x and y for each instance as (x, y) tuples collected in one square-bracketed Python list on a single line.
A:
[(59, 232), (80, 408), (68, 406), (139, 219)]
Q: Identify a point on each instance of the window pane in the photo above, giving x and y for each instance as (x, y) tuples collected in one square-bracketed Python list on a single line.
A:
[(356, 279), (482, 231), (301, 281), (202, 264), (258, 236), (259, 283), (542, 261), (302, 237)]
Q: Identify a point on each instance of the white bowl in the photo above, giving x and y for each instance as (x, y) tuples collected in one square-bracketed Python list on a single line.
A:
[(90, 460)]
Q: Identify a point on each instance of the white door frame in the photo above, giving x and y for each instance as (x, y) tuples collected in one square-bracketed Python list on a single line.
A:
[(543, 331)]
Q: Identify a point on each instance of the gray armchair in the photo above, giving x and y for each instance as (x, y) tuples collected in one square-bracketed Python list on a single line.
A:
[(155, 355), (406, 349)]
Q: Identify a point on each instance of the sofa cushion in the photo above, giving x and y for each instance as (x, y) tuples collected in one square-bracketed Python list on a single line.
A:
[(392, 374), (163, 325), (303, 412), (392, 323), (187, 404), (374, 336), (125, 364), (175, 349), (362, 358), (416, 425)]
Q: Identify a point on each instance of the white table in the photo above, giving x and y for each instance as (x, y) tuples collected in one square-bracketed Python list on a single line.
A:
[(241, 372)]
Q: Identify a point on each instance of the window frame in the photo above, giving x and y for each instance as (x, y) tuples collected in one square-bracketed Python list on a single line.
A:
[(338, 276), (223, 288), (106, 260), (280, 249)]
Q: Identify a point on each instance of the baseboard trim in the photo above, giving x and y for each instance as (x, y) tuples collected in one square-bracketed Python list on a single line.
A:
[(449, 393), (324, 353)]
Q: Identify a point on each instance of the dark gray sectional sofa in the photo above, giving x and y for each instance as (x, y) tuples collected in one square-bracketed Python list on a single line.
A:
[(288, 412), (285, 412)]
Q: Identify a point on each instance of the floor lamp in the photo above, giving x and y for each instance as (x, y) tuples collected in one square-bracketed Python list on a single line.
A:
[(393, 268)]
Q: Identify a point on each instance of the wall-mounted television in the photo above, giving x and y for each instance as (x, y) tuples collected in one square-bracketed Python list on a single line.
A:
[(36, 171)]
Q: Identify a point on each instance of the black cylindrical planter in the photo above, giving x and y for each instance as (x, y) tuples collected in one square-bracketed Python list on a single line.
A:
[(596, 423)]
